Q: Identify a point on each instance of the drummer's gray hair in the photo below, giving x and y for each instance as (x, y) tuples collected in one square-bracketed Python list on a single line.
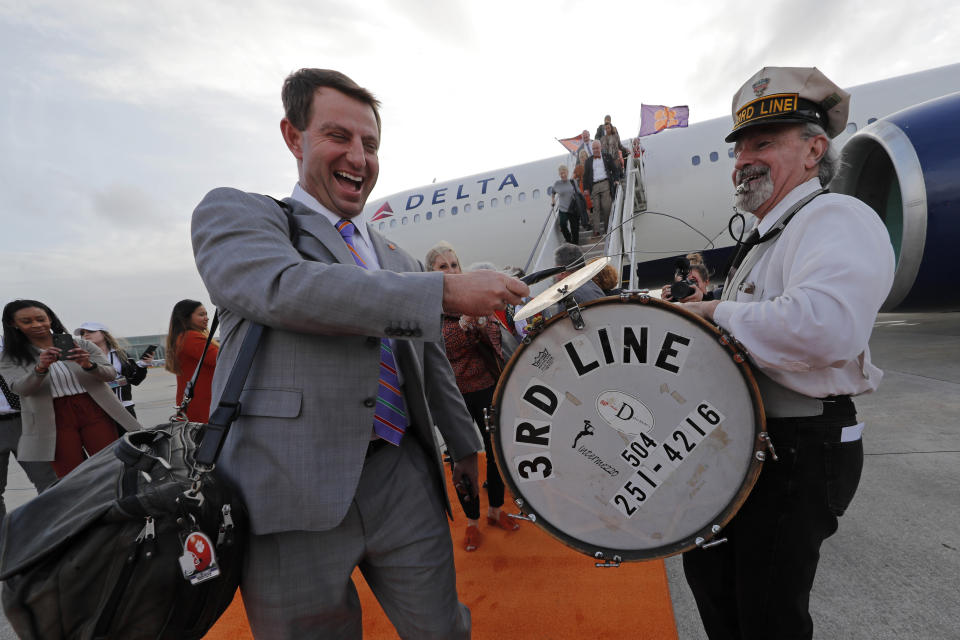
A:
[(830, 160)]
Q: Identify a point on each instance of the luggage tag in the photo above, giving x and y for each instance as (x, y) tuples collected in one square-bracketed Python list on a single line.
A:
[(198, 562)]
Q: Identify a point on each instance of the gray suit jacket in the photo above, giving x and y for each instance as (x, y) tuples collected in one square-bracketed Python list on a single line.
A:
[(297, 450), (38, 440)]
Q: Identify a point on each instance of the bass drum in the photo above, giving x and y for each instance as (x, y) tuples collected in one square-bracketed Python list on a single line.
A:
[(636, 437)]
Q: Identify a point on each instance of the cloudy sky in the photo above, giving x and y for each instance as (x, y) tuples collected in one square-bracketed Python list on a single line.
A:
[(117, 117)]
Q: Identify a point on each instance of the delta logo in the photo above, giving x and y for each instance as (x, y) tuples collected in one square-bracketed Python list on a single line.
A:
[(383, 212)]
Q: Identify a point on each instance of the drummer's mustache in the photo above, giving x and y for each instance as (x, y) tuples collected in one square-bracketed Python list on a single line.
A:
[(746, 176)]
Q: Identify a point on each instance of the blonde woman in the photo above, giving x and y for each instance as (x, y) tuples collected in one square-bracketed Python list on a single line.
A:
[(129, 371)]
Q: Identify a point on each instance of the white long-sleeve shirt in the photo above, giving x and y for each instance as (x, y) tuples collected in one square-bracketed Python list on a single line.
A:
[(815, 296)]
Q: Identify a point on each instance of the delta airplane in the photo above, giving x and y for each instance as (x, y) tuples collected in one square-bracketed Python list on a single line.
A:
[(900, 151)]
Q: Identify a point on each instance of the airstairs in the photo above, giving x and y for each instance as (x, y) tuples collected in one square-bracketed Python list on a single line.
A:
[(629, 201)]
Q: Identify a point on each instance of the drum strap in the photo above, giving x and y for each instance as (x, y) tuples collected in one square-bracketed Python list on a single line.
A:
[(778, 400), (781, 402), (735, 280)]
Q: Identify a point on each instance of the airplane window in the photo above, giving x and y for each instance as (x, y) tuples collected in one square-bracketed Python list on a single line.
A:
[(441, 214), (695, 160), (466, 208), (730, 152), (536, 194), (871, 120), (406, 220), (416, 217), (383, 225), (493, 202), (714, 156), (454, 210), (852, 127), (479, 205), (507, 200), (393, 223), (521, 196), (429, 215)]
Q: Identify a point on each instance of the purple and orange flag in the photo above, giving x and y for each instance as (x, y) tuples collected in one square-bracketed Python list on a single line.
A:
[(654, 118)]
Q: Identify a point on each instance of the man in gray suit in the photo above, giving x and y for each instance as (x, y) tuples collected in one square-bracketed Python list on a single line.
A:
[(327, 489)]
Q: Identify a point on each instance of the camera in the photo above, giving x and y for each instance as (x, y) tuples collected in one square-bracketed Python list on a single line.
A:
[(682, 289), (684, 285)]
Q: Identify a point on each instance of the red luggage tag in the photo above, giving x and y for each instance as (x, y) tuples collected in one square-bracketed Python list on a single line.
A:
[(198, 562)]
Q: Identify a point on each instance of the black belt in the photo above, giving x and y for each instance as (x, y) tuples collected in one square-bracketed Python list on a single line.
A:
[(838, 407), (8, 416)]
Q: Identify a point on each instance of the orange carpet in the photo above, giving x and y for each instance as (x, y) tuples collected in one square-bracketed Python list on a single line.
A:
[(528, 586)]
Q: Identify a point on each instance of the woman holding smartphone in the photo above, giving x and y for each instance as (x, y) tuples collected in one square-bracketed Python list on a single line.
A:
[(185, 340), (67, 409), (129, 371)]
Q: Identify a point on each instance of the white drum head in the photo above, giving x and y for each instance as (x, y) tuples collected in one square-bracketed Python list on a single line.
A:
[(633, 437)]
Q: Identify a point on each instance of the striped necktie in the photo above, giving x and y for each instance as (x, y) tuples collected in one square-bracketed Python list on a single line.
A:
[(390, 416)]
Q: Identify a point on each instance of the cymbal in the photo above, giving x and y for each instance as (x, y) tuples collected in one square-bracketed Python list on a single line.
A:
[(562, 289)]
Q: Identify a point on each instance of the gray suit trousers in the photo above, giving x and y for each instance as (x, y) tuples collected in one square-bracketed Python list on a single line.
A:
[(297, 584)]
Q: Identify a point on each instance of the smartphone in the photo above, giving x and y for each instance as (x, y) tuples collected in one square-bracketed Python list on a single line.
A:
[(149, 351), (64, 342)]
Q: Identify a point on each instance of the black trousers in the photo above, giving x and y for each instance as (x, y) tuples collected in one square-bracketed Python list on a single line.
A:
[(757, 585), (476, 402), (569, 226)]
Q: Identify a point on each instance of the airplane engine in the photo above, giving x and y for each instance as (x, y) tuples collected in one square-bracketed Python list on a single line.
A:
[(906, 166)]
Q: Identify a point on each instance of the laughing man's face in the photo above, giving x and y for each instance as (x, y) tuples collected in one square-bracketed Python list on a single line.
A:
[(337, 152)]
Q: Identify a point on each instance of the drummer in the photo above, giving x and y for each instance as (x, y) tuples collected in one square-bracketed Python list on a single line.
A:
[(802, 298)]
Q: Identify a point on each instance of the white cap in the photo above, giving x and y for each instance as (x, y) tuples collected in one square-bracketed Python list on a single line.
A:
[(787, 95), (91, 326)]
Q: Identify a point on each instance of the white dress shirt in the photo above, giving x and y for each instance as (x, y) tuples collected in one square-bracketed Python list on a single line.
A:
[(361, 239), (814, 295), (599, 170)]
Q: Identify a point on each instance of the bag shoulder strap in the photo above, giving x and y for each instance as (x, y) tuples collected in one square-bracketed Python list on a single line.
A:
[(228, 408)]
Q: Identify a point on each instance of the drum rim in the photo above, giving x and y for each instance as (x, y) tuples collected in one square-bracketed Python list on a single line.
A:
[(698, 538)]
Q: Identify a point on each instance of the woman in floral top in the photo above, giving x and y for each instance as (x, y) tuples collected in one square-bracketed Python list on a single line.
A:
[(473, 349)]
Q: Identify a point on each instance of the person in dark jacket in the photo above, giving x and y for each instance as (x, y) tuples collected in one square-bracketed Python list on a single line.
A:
[(600, 177)]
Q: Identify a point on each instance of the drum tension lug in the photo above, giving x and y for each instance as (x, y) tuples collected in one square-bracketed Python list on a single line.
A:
[(703, 544), (765, 437), (489, 418), (573, 311), (613, 563)]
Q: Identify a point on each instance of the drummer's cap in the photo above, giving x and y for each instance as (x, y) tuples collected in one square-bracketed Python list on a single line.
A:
[(777, 95)]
